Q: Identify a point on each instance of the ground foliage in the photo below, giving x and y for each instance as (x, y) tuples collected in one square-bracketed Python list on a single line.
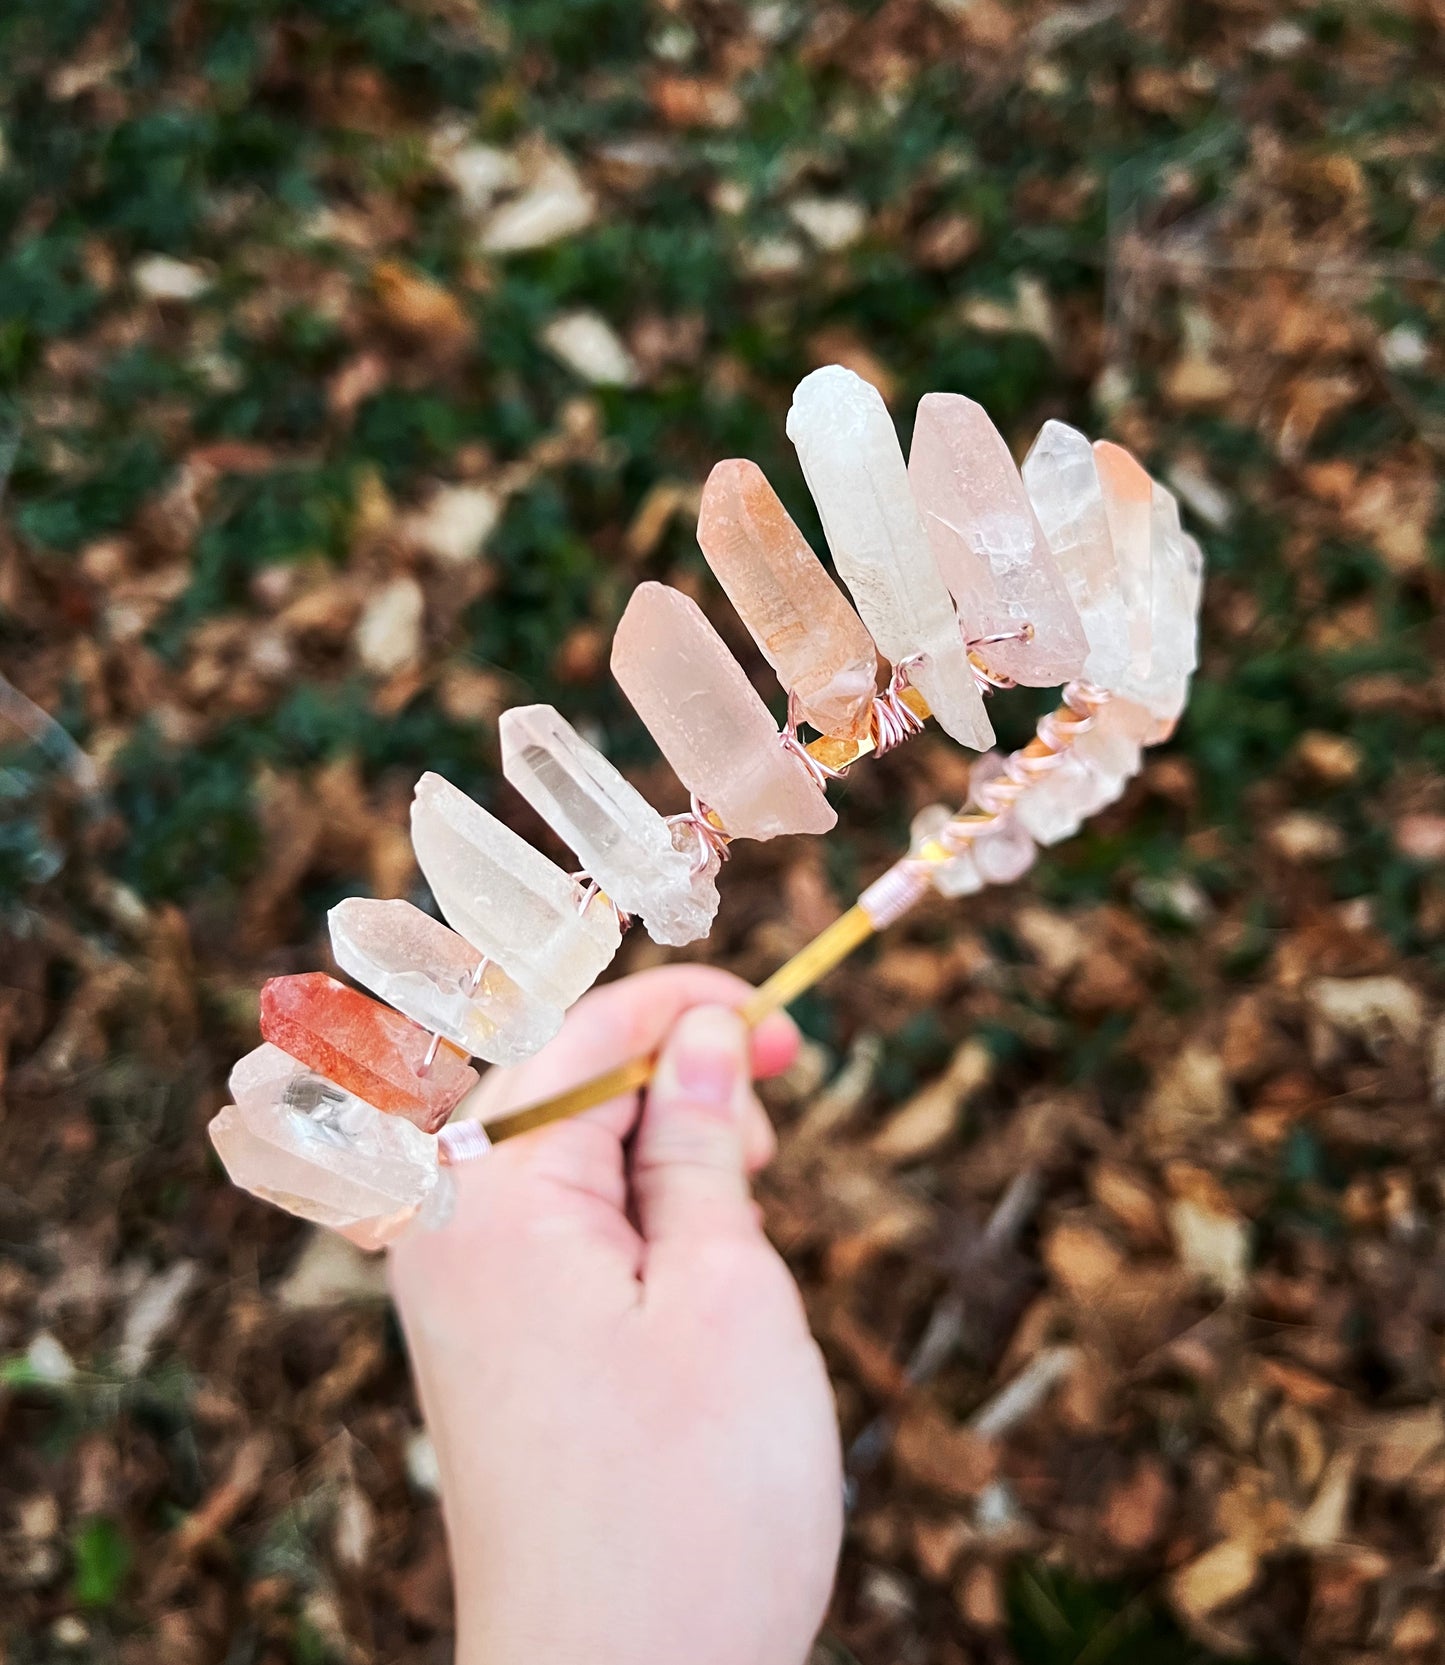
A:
[(314, 470)]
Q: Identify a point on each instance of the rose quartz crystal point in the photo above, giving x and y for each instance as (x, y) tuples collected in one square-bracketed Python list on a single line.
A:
[(797, 615), (989, 545), (1128, 506), (305, 1144), (364, 1047), (512, 904), (854, 467), (439, 980), (1061, 477), (708, 720)]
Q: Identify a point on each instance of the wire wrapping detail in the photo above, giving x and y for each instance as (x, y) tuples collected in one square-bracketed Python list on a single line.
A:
[(819, 773), (712, 840), (895, 891), (1053, 738), (462, 1142), (894, 721)]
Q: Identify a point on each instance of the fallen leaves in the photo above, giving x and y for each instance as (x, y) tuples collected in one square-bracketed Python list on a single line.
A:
[(930, 1118), (453, 524), (1113, 1198), (419, 306), (1376, 1012), (588, 345)]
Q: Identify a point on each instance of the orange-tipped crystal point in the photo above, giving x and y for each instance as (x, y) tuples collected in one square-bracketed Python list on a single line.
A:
[(797, 615), (364, 1047)]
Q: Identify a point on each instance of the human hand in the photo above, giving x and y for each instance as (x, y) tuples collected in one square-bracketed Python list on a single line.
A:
[(637, 1440)]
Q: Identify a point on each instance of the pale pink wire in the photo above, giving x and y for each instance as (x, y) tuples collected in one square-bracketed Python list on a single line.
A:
[(986, 679), (711, 839), (462, 1142), (589, 888), (894, 720)]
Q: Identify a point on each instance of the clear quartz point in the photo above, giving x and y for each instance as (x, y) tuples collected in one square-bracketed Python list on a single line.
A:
[(439, 980), (989, 545), (512, 904), (619, 838), (854, 467), (1177, 579), (301, 1142)]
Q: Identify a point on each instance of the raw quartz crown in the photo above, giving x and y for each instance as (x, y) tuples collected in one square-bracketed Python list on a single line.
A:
[(963, 571)]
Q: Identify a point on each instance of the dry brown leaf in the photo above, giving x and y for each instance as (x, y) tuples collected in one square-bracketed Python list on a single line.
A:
[(942, 1456), (419, 306), (1189, 1095), (928, 1120), (1215, 1579), (1127, 1198), (1136, 1510)]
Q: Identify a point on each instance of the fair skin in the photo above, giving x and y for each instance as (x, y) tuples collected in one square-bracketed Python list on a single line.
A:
[(637, 1440)]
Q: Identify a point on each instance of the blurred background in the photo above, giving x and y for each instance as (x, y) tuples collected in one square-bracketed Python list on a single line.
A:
[(359, 358)]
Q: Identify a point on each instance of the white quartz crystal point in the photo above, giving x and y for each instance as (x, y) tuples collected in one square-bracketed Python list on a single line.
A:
[(855, 470), (431, 1214), (989, 545), (1062, 480), (619, 838), (301, 1142), (507, 899), (437, 979), (959, 874), (1159, 679)]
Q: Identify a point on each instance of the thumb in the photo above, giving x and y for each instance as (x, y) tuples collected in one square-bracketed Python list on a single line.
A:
[(688, 1173)]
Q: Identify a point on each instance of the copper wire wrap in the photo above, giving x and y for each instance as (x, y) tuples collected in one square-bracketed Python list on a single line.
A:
[(712, 840), (588, 889), (989, 681), (474, 982), (893, 720), (819, 772), (1053, 738)]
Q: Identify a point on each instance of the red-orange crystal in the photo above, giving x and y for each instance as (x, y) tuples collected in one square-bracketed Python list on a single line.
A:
[(364, 1047)]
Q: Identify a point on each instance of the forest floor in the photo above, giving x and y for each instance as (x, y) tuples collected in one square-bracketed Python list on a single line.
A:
[(359, 358)]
